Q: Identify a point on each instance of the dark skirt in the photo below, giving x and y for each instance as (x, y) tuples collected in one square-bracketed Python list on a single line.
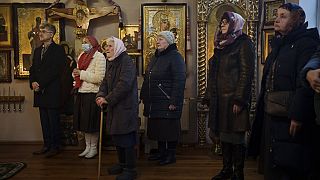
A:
[(125, 140), (163, 129), (86, 116)]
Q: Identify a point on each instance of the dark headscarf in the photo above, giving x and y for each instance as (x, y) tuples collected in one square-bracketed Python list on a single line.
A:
[(236, 23), (298, 16)]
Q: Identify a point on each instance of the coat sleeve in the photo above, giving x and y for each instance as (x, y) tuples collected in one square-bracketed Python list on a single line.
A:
[(32, 76), (303, 98), (125, 83), (103, 89), (178, 70), (97, 75), (314, 63), (247, 57), (55, 69)]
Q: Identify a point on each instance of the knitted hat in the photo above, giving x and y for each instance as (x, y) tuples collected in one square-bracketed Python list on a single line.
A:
[(168, 35)]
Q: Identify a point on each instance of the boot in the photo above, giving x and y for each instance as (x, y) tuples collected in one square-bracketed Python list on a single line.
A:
[(129, 172), (87, 137), (239, 152), (118, 168), (160, 154), (93, 146), (226, 171), (170, 158)]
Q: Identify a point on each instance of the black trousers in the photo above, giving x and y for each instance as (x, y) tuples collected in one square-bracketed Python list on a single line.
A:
[(50, 123)]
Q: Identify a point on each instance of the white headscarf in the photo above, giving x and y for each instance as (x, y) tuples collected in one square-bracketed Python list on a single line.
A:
[(118, 47)]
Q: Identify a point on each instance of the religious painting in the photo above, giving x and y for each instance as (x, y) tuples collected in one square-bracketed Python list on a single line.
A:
[(267, 38), (5, 25), (27, 20), (129, 35), (271, 8), (5, 66), (157, 17)]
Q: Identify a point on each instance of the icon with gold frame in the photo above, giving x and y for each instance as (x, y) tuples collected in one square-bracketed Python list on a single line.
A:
[(157, 17), (5, 25), (268, 36), (27, 18)]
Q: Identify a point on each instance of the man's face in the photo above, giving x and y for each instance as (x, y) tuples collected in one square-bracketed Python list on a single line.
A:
[(45, 35), (282, 22)]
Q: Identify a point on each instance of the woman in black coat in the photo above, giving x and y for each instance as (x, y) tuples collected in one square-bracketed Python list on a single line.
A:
[(229, 92), (162, 94), (284, 137), (119, 92)]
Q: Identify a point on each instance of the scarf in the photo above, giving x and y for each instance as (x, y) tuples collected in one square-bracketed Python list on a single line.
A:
[(236, 23), (118, 47), (85, 59)]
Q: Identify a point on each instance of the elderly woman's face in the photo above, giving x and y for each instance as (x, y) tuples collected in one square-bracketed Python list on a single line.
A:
[(110, 49), (162, 43), (282, 22), (224, 26)]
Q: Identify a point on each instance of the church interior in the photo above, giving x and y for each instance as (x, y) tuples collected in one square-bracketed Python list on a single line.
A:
[(137, 23)]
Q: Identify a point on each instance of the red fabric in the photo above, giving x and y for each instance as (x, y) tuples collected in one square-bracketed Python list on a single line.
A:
[(85, 59)]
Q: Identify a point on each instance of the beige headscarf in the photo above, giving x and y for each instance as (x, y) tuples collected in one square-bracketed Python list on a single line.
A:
[(118, 47)]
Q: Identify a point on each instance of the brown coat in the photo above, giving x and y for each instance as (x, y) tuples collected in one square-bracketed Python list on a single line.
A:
[(229, 82)]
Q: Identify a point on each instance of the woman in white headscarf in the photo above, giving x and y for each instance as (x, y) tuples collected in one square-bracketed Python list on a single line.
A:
[(119, 93), (228, 94)]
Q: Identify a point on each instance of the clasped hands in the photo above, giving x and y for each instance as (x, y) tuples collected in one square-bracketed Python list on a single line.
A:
[(76, 72), (35, 86)]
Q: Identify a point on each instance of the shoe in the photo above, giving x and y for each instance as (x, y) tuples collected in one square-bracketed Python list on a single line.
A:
[(127, 174), (115, 169), (170, 158), (52, 153), (92, 153), (41, 151), (87, 137), (223, 175), (154, 157)]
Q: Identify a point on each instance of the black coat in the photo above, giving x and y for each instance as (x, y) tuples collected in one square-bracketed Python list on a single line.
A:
[(47, 72), (229, 82), (292, 52), (164, 84), (119, 88)]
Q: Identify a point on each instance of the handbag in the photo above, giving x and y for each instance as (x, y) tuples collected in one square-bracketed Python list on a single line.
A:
[(277, 103)]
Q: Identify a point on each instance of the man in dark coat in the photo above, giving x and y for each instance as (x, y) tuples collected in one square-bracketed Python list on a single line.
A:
[(119, 92), (45, 75), (285, 139)]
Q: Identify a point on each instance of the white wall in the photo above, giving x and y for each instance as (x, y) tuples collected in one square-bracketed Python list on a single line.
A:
[(310, 8), (25, 125)]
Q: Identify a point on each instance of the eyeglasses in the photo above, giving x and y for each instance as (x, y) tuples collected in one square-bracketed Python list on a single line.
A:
[(45, 31), (224, 22)]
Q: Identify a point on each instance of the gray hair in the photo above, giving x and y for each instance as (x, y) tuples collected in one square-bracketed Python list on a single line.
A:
[(50, 27)]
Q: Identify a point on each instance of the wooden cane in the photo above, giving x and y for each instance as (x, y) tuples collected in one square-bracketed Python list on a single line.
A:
[(100, 140)]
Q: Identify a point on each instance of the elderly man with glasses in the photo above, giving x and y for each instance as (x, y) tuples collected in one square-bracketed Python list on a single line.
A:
[(45, 73)]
